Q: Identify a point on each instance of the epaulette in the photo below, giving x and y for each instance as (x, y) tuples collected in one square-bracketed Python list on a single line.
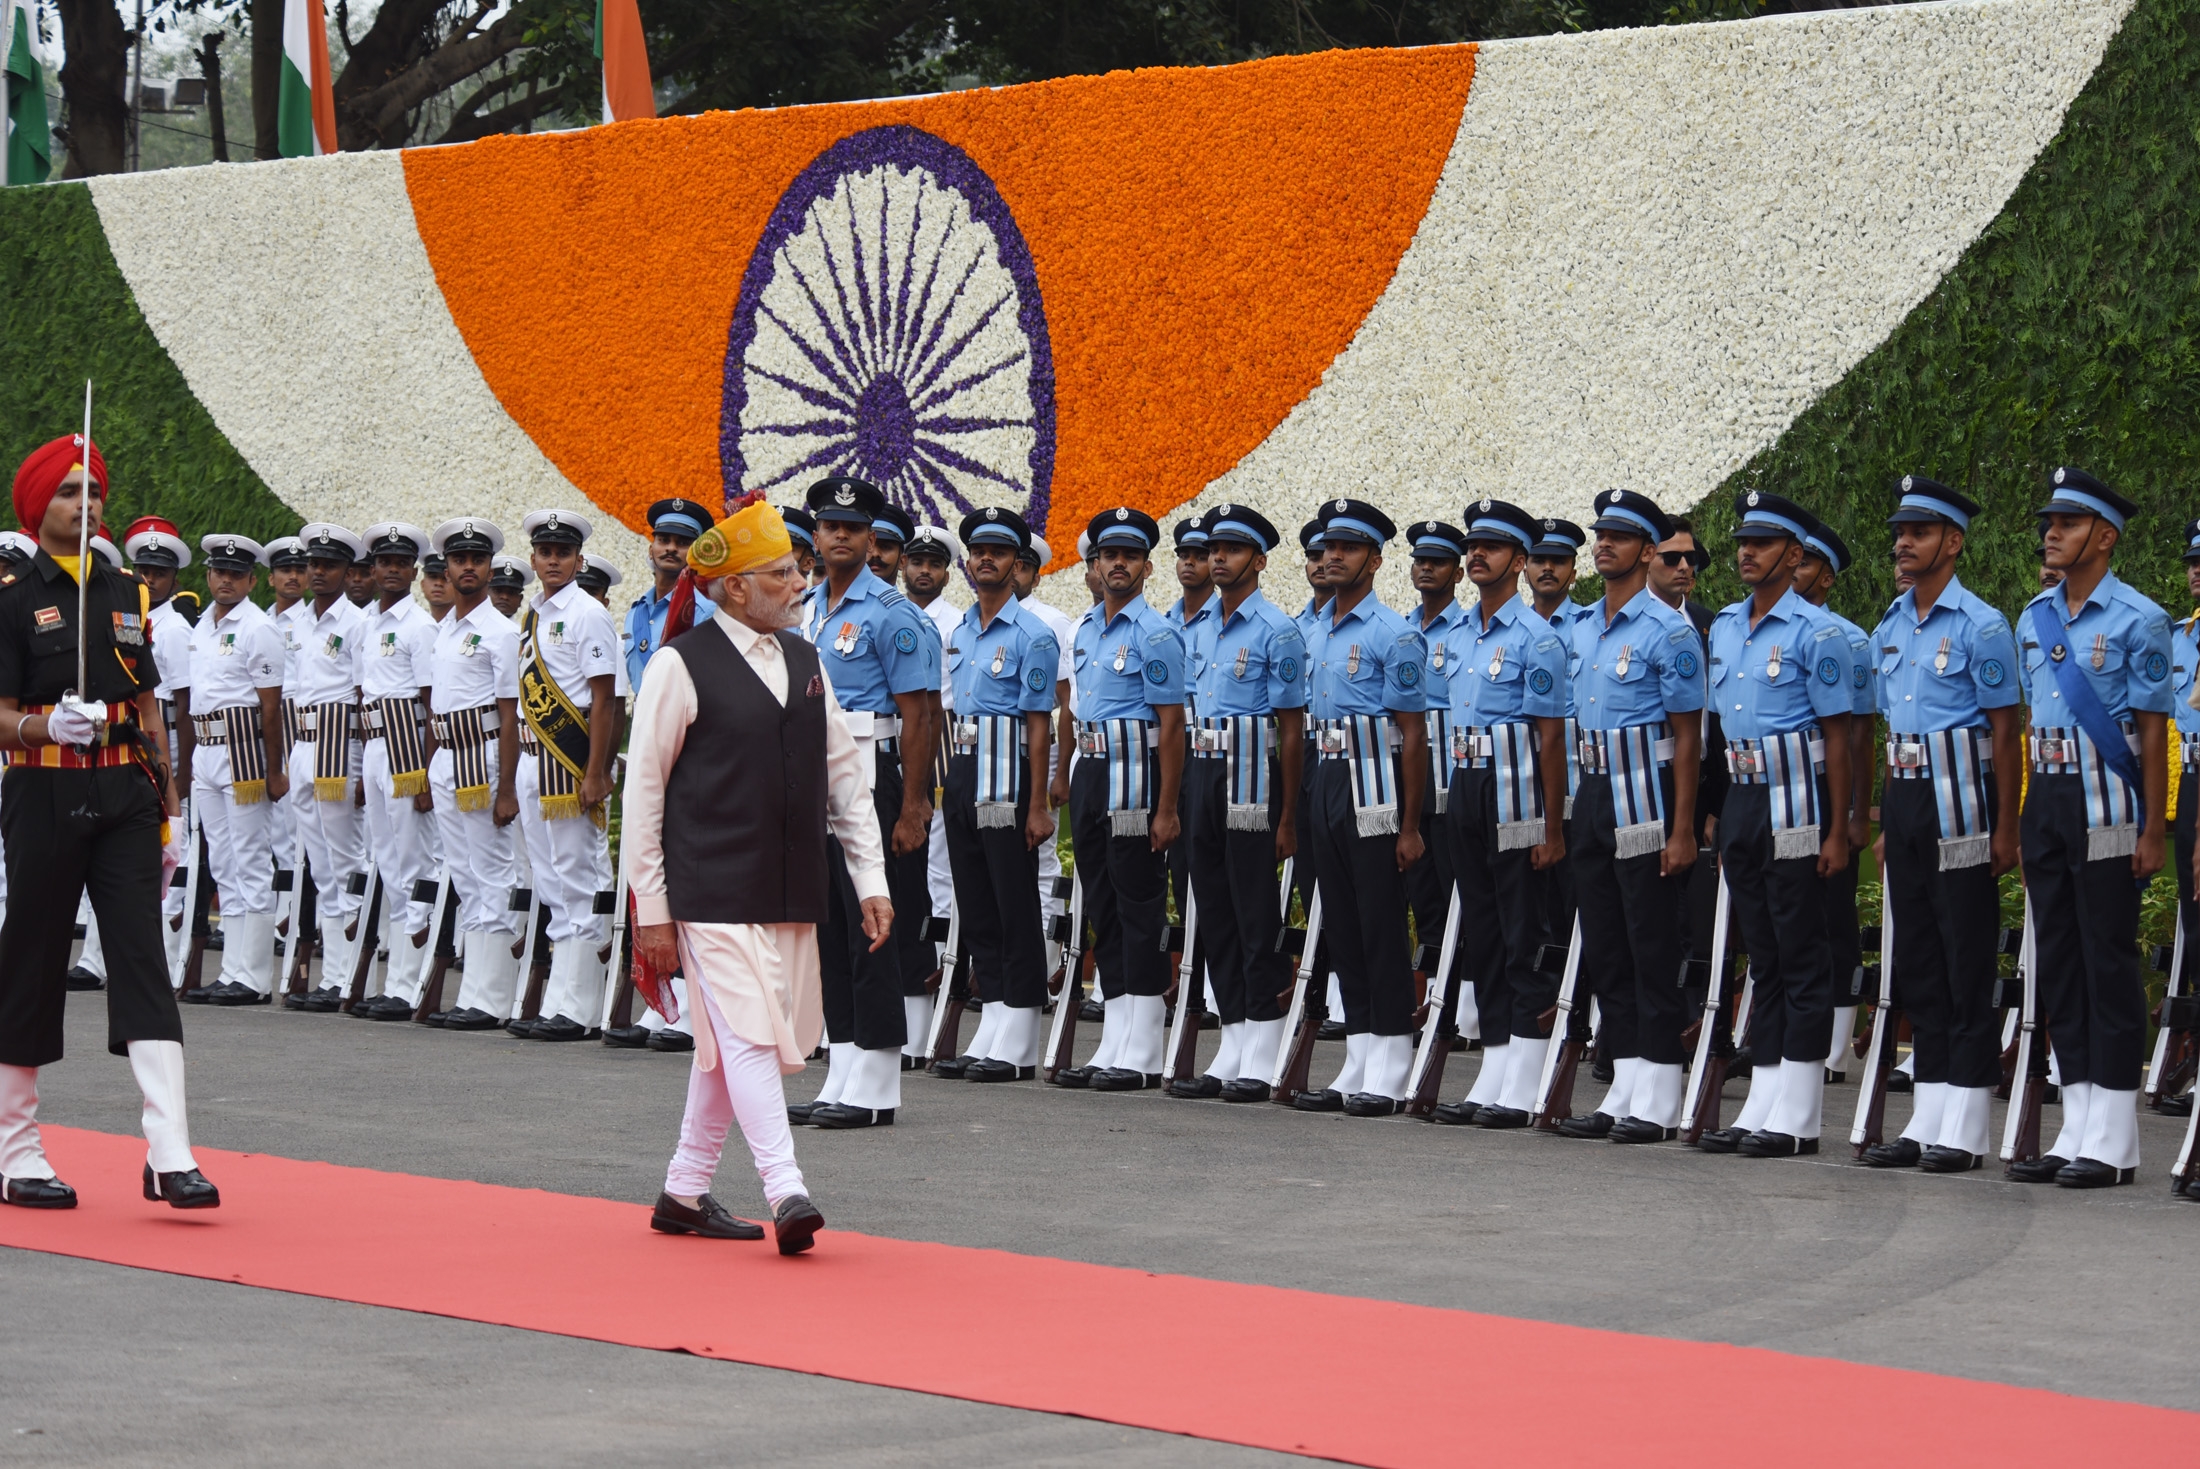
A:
[(891, 598), (9, 579)]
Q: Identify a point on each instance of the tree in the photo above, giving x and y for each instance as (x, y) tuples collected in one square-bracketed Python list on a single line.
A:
[(97, 128)]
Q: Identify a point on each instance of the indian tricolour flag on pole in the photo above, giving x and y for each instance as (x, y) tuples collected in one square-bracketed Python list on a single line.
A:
[(30, 141), (305, 108), (625, 56)]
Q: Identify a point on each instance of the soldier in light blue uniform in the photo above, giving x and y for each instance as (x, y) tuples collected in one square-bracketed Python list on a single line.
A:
[(1242, 791), (877, 651), (2184, 668), (1002, 661), (1192, 610), (1503, 759), (1123, 798), (1946, 678), (1783, 686), (673, 526), (2098, 683), (1638, 669), (1309, 620), (1825, 558), (1363, 819), (1550, 578), (1438, 552)]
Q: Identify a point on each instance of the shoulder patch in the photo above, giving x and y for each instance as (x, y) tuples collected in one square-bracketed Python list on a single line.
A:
[(1287, 668), (1684, 663), (1829, 670), (906, 640), (2157, 668), (1409, 673), (1540, 680), (1037, 679), (1860, 675), (1991, 673), (1157, 671)]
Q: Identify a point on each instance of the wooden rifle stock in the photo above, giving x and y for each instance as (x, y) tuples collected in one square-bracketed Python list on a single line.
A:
[(1191, 997), (1871, 1093), (1076, 963), (369, 939), (1707, 1079), (2172, 1041), (1570, 1037), (1309, 1007), (1425, 1087), (442, 920), (2020, 1138)]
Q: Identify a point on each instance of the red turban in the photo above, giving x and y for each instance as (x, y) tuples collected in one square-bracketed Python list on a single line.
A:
[(40, 477)]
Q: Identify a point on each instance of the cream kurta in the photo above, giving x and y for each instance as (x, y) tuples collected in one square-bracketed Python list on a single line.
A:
[(764, 977)]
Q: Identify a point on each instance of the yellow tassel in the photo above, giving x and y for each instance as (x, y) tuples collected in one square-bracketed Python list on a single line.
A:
[(248, 792), (408, 783), (331, 788), (473, 798), (559, 808)]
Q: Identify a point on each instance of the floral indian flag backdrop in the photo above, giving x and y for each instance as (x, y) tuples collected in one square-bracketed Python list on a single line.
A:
[(1532, 269)]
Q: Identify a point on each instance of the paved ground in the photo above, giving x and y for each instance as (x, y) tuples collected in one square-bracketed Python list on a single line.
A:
[(1973, 1276)]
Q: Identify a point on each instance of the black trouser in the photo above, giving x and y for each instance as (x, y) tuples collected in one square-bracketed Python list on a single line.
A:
[(1779, 904), (1945, 929), (1124, 881), (68, 832), (1303, 867), (996, 891), (1429, 881), (2085, 936), (908, 880), (1634, 932), (1363, 907), (1844, 934), (863, 989), (1558, 894), (1509, 991), (1233, 874), (1178, 857), (2181, 829)]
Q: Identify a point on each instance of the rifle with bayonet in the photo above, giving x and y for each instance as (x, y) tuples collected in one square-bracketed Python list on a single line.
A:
[(1309, 1006), (370, 925), (1191, 997), (951, 996), (1440, 1017), (1070, 934), (2020, 1136), (1570, 1037), (442, 930), (2174, 1052), (1707, 1077)]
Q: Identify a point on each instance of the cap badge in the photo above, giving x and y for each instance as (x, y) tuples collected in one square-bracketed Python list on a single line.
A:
[(1550, 525), (844, 496), (465, 527), (992, 514), (1485, 505), (1615, 496), (1342, 505), (1752, 498), (1123, 514), (2058, 476), (1906, 480)]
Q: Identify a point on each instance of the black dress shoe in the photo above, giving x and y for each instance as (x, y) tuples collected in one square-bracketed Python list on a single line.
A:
[(1722, 1140), (1457, 1114), (1767, 1144), (1500, 1118), (1092, 1012), (910, 1063), (1595, 1124), (796, 1223), (799, 1113), (998, 1071), (2176, 1106), (387, 1007), (436, 1017), (1369, 1104), (294, 1002), (665, 1038), (2093, 1173), (1196, 1088), (1076, 1078), (2038, 1170), (708, 1219), (186, 1190), (1246, 1089), (198, 996), (1123, 1079), (1902, 1152), (1834, 1078), (522, 1027), (80, 978), (627, 1037), (471, 1018), (1209, 1020), (559, 1028), (1331, 1030), (953, 1067), (1900, 1081), (323, 1001), (38, 1193), (1639, 1130), (1937, 1159), (230, 993), (839, 1116), (1328, 1099)]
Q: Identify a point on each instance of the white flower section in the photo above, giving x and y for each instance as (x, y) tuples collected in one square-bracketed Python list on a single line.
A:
[(887, 345), (297, 299), (1650, 250)]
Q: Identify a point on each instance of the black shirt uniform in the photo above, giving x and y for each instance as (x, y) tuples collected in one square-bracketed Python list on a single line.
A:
[(75, 819)]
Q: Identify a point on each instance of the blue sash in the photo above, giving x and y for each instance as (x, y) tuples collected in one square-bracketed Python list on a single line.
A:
[(2092, 715)]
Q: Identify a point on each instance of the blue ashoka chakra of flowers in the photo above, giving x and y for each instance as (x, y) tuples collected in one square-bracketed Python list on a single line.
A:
[(889, 327)]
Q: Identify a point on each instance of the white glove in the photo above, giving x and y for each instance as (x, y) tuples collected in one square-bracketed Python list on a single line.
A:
[(71, 723), (171, 851)]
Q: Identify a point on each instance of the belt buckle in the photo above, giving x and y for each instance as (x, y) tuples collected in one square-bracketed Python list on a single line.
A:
[(1462, 745), (2058, 752), (1909, 756), (1331, 741), (1588, 753), (1748, 762), (966, 731)]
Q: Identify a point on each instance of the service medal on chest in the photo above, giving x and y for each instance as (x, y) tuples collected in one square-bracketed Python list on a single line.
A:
[(2100, 650), (846, 642), (1772, 665), (1238, 671), (1121, 654), (1352, 661), (1000, 658), (1940, 659), (1626, 657), (1497, 662)]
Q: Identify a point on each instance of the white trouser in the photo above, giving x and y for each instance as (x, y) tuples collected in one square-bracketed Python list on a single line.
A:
[(93, 959), (158, 1067), (936, 874), (476, 851), (745, 1086), (399, 837), (240, 840), (1050, 871), (571, 860), (332, 840)]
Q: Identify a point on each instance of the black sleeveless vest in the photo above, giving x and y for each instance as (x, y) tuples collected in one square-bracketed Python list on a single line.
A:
[(744, 835)]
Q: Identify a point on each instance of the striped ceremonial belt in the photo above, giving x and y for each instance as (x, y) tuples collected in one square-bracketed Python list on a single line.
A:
[(1245, 743), (1788, 764), (293, 727), (1510, 751), (247, 742), (1439, 740), (1124, 744), (396, 722), (116, 745), (2111, 807), (1365, 741), (466, 732), (330, 727), (1957, 762), (999, 743), (1631, 758)]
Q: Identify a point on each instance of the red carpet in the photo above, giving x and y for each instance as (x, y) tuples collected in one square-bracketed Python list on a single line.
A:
[(987, 1326)]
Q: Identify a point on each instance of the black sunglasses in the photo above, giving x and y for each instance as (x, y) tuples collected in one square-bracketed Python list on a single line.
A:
[(1697, 559)]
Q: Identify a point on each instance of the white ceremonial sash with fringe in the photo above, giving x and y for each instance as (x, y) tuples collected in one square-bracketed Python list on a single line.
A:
[(2111, 807), (1789, 764), (1509, 750), (1124, 744), (1000, 749), (1364, 740), (1439, 740), (1573, 765), (1631, 757), (1245, 743), (1957, 762)]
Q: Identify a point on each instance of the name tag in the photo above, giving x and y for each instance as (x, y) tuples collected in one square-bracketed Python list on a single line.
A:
[(47, 618)]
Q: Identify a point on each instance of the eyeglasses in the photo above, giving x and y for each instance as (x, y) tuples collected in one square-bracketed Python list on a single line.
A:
[(776, 573), (1696, 559)]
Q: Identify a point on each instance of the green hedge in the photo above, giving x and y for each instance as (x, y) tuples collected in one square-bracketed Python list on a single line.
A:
[(66, 314), (2065, 335)]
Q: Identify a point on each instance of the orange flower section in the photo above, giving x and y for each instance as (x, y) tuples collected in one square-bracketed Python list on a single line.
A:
[(1206, 242)]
